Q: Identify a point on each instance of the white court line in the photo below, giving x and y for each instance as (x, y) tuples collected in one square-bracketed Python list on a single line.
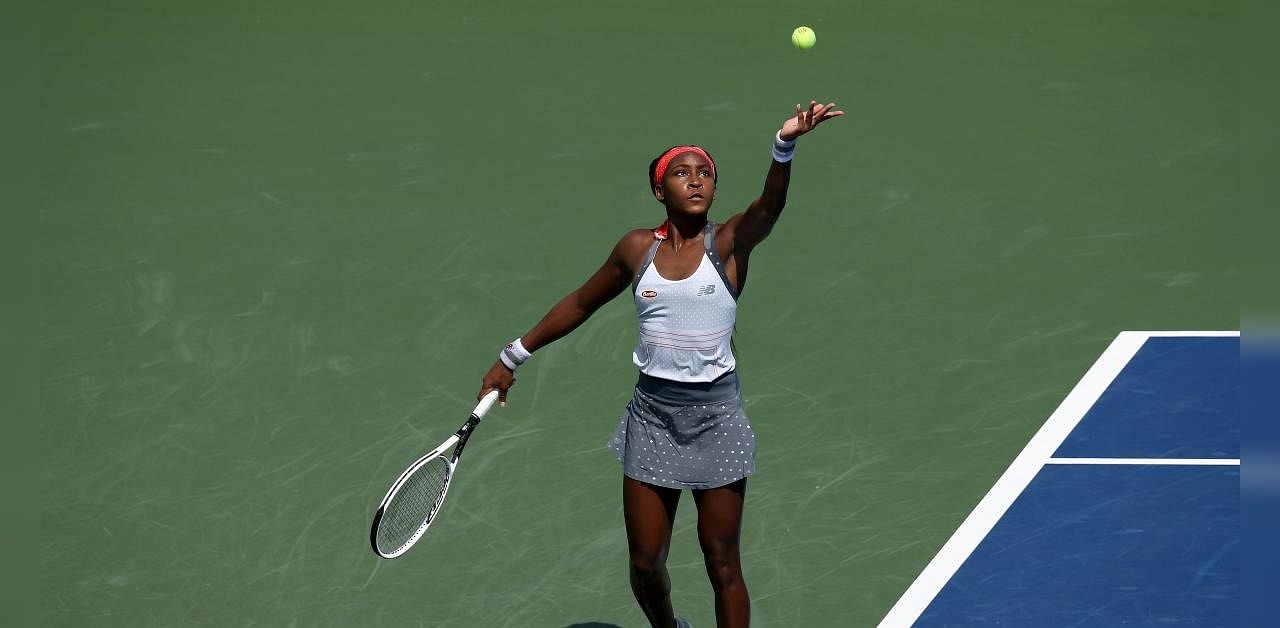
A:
[(1187, 334), (1037, 453), (1225, 462)]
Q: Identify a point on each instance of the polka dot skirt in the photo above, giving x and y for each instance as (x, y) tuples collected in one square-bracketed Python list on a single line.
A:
[(696, 446)]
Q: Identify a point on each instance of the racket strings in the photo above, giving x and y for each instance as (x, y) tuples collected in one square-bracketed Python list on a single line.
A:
[(414, 505)]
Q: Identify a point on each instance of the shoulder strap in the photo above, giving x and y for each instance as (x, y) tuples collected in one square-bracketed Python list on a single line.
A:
[(709, 243), (648, 260)]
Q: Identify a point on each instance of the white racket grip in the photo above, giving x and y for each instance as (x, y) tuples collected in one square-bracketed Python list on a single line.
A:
[(483, 407)]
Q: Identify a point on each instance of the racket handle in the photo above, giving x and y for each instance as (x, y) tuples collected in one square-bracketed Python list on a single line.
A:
[(483, 407)]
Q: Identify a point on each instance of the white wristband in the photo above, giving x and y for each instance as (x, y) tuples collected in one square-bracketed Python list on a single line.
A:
[(514, 354), (783, 150)]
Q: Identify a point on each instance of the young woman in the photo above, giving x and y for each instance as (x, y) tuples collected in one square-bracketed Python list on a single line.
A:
[(684, 427)]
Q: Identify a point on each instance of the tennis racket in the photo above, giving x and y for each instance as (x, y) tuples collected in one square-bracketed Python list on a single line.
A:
[(414, 499)]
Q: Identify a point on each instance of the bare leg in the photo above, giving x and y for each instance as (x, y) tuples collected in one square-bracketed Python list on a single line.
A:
[(650, 512), (719, 528)]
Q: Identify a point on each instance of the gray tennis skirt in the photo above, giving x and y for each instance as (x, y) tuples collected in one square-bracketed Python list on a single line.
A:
[(685, 435)]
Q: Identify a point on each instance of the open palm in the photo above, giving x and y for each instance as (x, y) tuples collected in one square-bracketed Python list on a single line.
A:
[(807, 118)]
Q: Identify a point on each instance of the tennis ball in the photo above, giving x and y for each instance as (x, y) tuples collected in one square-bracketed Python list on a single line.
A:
[(804, 38)]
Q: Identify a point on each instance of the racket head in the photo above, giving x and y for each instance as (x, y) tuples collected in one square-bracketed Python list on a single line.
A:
[(414, 499), (412, 502)]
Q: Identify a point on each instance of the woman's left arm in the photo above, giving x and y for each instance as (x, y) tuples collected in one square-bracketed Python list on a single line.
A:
[(752, 226)]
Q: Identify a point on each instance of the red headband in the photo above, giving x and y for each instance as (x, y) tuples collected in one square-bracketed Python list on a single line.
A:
[(665, 160)]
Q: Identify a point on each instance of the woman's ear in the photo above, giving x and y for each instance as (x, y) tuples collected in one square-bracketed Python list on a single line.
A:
[(659, 192)]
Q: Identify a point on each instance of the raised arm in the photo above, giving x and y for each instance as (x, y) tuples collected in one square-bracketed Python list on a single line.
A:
[(752, 226), (575, 308)]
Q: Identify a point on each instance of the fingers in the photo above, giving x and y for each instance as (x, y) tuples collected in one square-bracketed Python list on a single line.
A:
[(821, 113), (804, 116), (809, 117), (502, 391), (499, 378)]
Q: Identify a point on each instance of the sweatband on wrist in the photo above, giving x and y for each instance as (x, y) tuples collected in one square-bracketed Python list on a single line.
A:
[(514, 354), (783, 150)]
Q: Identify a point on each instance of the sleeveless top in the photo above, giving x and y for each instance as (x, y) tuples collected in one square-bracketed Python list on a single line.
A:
[(685, 326)]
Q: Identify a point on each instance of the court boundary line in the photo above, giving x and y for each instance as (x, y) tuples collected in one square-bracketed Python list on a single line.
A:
[(1225, 462), (1034, 456)]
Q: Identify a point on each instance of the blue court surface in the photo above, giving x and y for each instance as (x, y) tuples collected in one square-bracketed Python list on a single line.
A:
[(1123, 510)]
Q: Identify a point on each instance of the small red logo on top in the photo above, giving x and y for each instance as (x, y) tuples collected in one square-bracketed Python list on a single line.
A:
[(648, 294)]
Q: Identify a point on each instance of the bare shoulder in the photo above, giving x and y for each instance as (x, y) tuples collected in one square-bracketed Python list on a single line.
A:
[(631, 248), (731, 224), (726, 234), (637, 237), (636, 240)]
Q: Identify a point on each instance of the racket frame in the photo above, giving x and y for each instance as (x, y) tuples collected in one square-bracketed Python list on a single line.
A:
[(455, 442)]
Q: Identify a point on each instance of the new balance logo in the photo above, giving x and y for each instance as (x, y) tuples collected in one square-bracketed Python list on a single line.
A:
[(707, 289)]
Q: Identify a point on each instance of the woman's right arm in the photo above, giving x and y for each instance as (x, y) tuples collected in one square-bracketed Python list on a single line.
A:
[(575, 308)]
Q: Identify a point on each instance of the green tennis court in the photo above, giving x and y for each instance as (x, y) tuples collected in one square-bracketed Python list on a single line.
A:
[(282, 242)]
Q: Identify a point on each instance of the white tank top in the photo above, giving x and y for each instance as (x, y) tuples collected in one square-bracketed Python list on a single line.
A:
[(685, 326)]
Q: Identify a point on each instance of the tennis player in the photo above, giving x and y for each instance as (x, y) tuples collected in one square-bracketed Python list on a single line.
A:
[(684, 428)]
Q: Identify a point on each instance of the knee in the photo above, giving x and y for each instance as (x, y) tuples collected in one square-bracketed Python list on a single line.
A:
[(723, 565), (646, 565)]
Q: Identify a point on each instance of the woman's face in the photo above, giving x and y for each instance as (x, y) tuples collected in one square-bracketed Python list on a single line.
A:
[(689, 185)]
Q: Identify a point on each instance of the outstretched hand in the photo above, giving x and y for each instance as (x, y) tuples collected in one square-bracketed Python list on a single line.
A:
[(806, 119)]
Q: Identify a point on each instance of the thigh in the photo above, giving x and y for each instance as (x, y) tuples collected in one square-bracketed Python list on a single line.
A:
[(649, 512), (720, 516)]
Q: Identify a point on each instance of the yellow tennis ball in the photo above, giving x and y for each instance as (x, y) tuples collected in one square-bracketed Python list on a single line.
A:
[(804, 38)]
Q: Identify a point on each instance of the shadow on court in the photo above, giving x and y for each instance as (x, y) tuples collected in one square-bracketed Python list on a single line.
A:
[(593, 624)]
